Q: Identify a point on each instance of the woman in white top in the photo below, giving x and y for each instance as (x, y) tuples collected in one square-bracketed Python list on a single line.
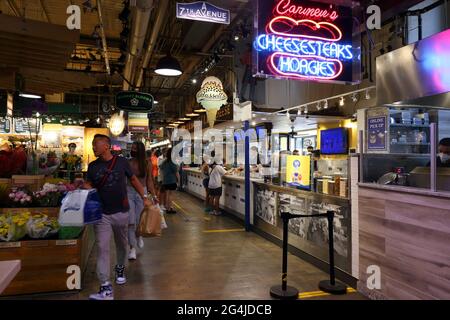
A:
[(215, 186)]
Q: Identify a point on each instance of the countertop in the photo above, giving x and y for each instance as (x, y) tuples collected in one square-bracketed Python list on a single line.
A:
[(418, 191), (8, 270)]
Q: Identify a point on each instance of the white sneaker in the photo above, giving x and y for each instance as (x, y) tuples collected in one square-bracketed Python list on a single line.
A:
[(105, 293), (140, 243), (132, 254)]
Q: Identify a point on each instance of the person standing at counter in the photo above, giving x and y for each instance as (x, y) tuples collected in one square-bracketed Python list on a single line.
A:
[(205, 180), (108, 175), (443, 159), (215, 186)]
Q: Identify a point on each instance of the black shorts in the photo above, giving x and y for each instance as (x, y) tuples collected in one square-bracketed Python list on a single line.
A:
[(216, 192), (170, 187), (205, 183)]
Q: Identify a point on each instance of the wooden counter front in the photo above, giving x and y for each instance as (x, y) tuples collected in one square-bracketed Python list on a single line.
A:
[(408, 237)]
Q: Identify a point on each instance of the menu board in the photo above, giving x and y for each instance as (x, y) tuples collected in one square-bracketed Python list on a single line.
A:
[(5, 125), (27, 125)]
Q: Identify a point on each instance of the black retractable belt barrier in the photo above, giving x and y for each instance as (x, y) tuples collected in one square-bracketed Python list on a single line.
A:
[(285, 292)]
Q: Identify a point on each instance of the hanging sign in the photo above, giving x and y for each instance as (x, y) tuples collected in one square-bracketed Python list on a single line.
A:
[(304, 40), (376, 133), (203, 11), (137, 122), (5, 125), (134, 101)]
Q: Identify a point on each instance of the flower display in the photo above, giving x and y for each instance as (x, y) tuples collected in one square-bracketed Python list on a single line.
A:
[(20, 197), (14, 227), (51, 194)]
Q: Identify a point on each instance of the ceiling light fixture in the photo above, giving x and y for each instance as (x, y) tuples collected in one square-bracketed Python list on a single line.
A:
[(192, 115), (341, 101), (354, 99), (30, 96), (168, 66), (325, 105), (194, 81), (200, 110), (367, 94)]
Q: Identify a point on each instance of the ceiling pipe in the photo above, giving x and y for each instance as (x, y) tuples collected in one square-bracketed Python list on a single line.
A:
[(141, 18), (103, 36), (160, 19)]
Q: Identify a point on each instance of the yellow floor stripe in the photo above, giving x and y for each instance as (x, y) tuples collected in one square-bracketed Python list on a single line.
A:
[(313, 294), (223, 230)]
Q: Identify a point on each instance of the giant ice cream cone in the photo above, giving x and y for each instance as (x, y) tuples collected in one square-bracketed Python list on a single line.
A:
[(211, 115), (211, 96)]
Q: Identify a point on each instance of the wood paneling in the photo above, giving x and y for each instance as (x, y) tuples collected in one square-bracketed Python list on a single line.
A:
[(408, 237)]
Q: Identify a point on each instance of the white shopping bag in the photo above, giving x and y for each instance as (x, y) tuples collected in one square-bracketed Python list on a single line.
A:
[(163, 220), (80, 207)]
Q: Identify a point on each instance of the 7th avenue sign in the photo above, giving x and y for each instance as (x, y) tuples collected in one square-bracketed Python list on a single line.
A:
[(133, 101)]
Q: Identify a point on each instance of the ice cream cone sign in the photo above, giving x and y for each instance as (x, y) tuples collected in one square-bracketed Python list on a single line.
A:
[(211, 96)]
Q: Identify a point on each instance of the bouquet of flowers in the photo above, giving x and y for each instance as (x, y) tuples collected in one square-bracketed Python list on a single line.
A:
[(20, 197), (51, 194), (14, 227), (71, 161), (40, 226)]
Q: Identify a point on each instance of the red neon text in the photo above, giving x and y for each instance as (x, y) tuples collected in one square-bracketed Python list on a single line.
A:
[(290, 27), (284, 7)]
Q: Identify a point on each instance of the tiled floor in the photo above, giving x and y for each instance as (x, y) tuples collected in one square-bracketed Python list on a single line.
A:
[(189, 263)]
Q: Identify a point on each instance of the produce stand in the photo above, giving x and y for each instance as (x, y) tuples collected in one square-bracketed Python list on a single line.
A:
[(45, 262)]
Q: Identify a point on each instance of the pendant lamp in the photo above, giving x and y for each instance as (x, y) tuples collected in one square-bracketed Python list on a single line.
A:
[(168, 66)]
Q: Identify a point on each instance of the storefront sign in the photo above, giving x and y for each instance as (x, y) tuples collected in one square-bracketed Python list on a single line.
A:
[(137, 122), (376, 133), (134, 101), (27, 125), (5, 125), (304, 40), (298, 171), (203, 11)]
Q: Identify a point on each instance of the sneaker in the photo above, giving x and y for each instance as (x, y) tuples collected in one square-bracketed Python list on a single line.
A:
[(120, 275), (105, 293), (140, 243), (217, 213), (132, 254)]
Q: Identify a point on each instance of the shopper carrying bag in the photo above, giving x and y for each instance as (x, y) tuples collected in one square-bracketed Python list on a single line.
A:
[(150, 222)]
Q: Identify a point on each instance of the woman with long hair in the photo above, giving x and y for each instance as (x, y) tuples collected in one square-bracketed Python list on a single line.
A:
[(170, 180), (143, 170), (205, 170)]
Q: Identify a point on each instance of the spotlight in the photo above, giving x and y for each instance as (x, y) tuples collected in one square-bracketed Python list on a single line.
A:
[(299, 112), (341, 101), (53, 119), (354, 99), (288, 115), (236, 38), (367, 94), (318, 107), (98, 120), (306, 110), (325, 105), (194, 81), (38, 114)]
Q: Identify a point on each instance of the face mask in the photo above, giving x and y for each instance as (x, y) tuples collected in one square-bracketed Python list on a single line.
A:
[(444, 157), (133, 154)]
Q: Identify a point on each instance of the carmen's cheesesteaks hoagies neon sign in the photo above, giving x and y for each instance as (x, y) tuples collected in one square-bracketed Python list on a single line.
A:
[(304, 40)]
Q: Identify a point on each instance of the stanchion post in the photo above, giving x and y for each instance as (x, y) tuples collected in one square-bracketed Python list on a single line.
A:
[(330, 285), (284, 292)]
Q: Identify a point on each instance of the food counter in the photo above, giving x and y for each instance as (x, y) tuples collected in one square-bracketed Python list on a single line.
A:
[(307, 236), (233, 196), (406, 233)]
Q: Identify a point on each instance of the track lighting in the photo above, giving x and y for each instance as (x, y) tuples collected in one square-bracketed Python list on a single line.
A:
[(354, 99), (325, 105), (341, 102), (367, 94)]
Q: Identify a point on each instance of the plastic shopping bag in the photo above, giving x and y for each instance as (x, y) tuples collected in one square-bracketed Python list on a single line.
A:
[(150, 222), (163, 220), (80, 207)]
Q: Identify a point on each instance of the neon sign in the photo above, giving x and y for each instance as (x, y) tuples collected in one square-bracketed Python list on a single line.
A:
[(304, 40), (285, 8)]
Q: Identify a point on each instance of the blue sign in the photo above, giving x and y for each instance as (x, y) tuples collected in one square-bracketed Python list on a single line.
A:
[(376, 133), (203, 11)]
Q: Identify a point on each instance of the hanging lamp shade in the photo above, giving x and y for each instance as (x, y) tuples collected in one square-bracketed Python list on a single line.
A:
[(168, 66)]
